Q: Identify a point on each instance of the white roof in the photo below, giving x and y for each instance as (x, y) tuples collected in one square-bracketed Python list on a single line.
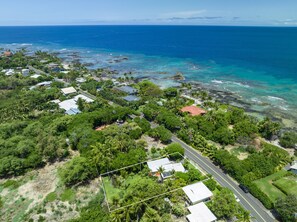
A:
[(177, 167), (294, 166), (80, 80), (46, 83), (156, 164), (68, 90), (87, 99), (56, 101), (197, 192), (200, 213), (35, 76), (68, 104)]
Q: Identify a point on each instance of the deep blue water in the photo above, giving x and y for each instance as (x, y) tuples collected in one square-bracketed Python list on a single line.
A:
[(258, 63), (267, 47)]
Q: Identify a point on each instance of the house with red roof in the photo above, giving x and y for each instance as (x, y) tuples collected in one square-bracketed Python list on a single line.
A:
[(194, 110)]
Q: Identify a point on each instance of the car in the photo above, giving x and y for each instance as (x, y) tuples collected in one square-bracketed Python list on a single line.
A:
[(236, 198), (244, 188)]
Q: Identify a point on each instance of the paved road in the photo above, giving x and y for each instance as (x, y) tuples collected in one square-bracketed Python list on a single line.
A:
[(258, 212)]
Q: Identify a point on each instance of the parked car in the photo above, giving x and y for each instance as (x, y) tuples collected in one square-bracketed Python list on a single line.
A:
[(236, 198), (244, 188)]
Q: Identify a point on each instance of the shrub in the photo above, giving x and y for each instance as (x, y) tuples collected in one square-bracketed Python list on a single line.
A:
[(211, 184), (175, 150), (259, 194), (68, 195)]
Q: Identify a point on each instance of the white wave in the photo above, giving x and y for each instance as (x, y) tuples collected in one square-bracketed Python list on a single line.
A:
[(217, 81), (240, 84), (274, 98)]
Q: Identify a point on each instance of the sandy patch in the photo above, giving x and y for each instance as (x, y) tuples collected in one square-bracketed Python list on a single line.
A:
[(45, 183)]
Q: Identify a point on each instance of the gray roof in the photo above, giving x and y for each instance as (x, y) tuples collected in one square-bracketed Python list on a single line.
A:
[(131, 98), (127, 89), (72, 111)]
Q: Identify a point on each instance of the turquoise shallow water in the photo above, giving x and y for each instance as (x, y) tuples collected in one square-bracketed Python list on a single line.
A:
[(258, 64)]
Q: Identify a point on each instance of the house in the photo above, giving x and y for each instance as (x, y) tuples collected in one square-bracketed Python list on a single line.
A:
[(193, 110), (127, 89), (7, 54), (293, 168), (197, 193), (54, 67), (9, 72), (156, 164), (80, 80), (72, 111), (69, 90), (131, 98), (35, 76), (83, 97), (200, 213), (68, 104), (167, 166), (169, 169), (45, 83), (25, 72)]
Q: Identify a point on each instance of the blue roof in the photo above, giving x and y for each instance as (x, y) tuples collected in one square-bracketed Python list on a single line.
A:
[(127, 89), (72, 111), (131, 98)]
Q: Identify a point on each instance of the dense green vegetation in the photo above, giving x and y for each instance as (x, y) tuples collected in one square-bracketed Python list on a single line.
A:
[(35, 132), (287, 207)]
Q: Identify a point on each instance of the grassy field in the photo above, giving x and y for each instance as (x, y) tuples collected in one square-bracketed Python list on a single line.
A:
[(287, 184), (266, 185), (110, 190)]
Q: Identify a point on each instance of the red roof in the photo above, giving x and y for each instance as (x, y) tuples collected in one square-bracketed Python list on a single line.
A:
[(7, 53), (194, 110)]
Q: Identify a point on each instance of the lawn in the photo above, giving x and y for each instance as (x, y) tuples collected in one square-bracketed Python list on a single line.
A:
[(266, 185), (110, 190), (287, 184)]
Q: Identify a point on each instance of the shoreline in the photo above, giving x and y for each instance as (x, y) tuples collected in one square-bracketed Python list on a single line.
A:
[(229, 91)]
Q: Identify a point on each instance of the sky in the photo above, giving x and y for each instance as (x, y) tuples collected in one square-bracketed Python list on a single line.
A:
[(149, 12)]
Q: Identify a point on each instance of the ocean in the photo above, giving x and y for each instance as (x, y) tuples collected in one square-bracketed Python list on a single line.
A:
[(258, 64)]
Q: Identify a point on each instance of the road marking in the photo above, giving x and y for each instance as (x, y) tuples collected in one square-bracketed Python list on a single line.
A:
[(191, 151)]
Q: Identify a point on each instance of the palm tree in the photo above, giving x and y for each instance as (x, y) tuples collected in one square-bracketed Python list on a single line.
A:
[(244, 217)]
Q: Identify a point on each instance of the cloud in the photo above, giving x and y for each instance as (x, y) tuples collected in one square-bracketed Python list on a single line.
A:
[(183, 14), (196, 18), (287, 22)]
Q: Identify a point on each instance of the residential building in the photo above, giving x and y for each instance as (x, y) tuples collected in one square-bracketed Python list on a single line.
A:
[(197, 193), (131, 98), (25, 72), (127, 89), (68, 90), (293, 168), (200, 213), (193, 110)]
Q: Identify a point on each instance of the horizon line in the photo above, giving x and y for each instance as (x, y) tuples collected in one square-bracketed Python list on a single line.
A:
[(192, 25)]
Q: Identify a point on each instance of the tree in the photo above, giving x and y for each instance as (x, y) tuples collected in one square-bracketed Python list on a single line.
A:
[(288, 139), (175, 150), (161, 133), (286, 208), (211, 184), (80, 104), (224, 204), (268, 128), (75, 171)]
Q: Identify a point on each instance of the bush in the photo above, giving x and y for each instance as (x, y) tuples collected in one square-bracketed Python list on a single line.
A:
[(211, 184), (175, 150), (288, 139), (259, 194), (68, 195), (178, 210), (51, 197)]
